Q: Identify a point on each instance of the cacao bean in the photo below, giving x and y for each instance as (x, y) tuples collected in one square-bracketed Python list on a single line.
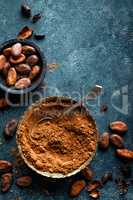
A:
[(10, 128), (104, 140), (25, 33), (118, 127), (23, 83), (11, 76), (88, 173), (28, 50), (25, 10), (16, 50), (117, 141), (2, 61), (6, 181), (24, 181), (95, 194), (34, 72), (20, 59), (32, 60), (23, 68), (5, 166), (106, 177), (7, 52), (94, 185), (39, 36), (76, 188), (125, 154), (3, 103), (6, 68), (36, 17)]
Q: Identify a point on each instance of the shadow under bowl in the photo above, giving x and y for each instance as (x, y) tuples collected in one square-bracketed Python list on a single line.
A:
[(39, 78)]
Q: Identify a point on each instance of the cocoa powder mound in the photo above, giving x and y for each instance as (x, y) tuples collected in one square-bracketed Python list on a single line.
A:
[(57, 146)]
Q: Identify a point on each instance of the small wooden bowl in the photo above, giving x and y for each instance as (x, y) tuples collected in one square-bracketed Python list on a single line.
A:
[(38, 80), (32, 109)]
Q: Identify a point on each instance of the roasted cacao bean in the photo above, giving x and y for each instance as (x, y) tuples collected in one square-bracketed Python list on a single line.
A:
[(28, 50), (88, 173), (7, 52), (16, 50), (6, 181), (94, 185), (6, 68), (10, 128), (23, 68), (2, 61), (25, 10), (24, 181), (32, 60), (76, 188), (125, 154), (20, 59), (34, 72), (117, 141), (118, 127), (36, 17), (11, 77), (106, 177), (23, 83), (25, 33), (104, 140), (5, 166), (95, 194)]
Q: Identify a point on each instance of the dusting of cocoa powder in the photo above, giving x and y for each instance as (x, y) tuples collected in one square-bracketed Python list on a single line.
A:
[(57, 146)]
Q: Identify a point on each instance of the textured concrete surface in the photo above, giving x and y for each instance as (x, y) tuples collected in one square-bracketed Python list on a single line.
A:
[(92, 40)]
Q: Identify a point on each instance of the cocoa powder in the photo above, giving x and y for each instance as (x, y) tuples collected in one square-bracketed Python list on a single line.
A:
[(57, 146)]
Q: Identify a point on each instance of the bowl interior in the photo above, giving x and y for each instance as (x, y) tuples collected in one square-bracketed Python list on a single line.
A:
[(56, 101), (38, 79)]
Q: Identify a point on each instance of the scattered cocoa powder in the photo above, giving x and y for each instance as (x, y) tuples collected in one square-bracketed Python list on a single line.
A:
[(57, 146)]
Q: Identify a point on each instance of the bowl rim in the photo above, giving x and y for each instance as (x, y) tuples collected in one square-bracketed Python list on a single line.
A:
[(35, 84), (48, 174)]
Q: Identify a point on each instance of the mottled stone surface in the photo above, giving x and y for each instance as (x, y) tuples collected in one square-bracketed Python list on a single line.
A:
[(92, 40)]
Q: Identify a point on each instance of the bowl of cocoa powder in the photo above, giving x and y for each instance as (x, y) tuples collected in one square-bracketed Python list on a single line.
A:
[(54, 144), (22, 66)]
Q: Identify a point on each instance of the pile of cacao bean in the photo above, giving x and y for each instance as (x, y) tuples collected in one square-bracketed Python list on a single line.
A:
[(114, 136), (19, 65)]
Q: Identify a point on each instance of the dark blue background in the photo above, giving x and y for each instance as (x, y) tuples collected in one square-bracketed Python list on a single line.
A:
[(92, 40)]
